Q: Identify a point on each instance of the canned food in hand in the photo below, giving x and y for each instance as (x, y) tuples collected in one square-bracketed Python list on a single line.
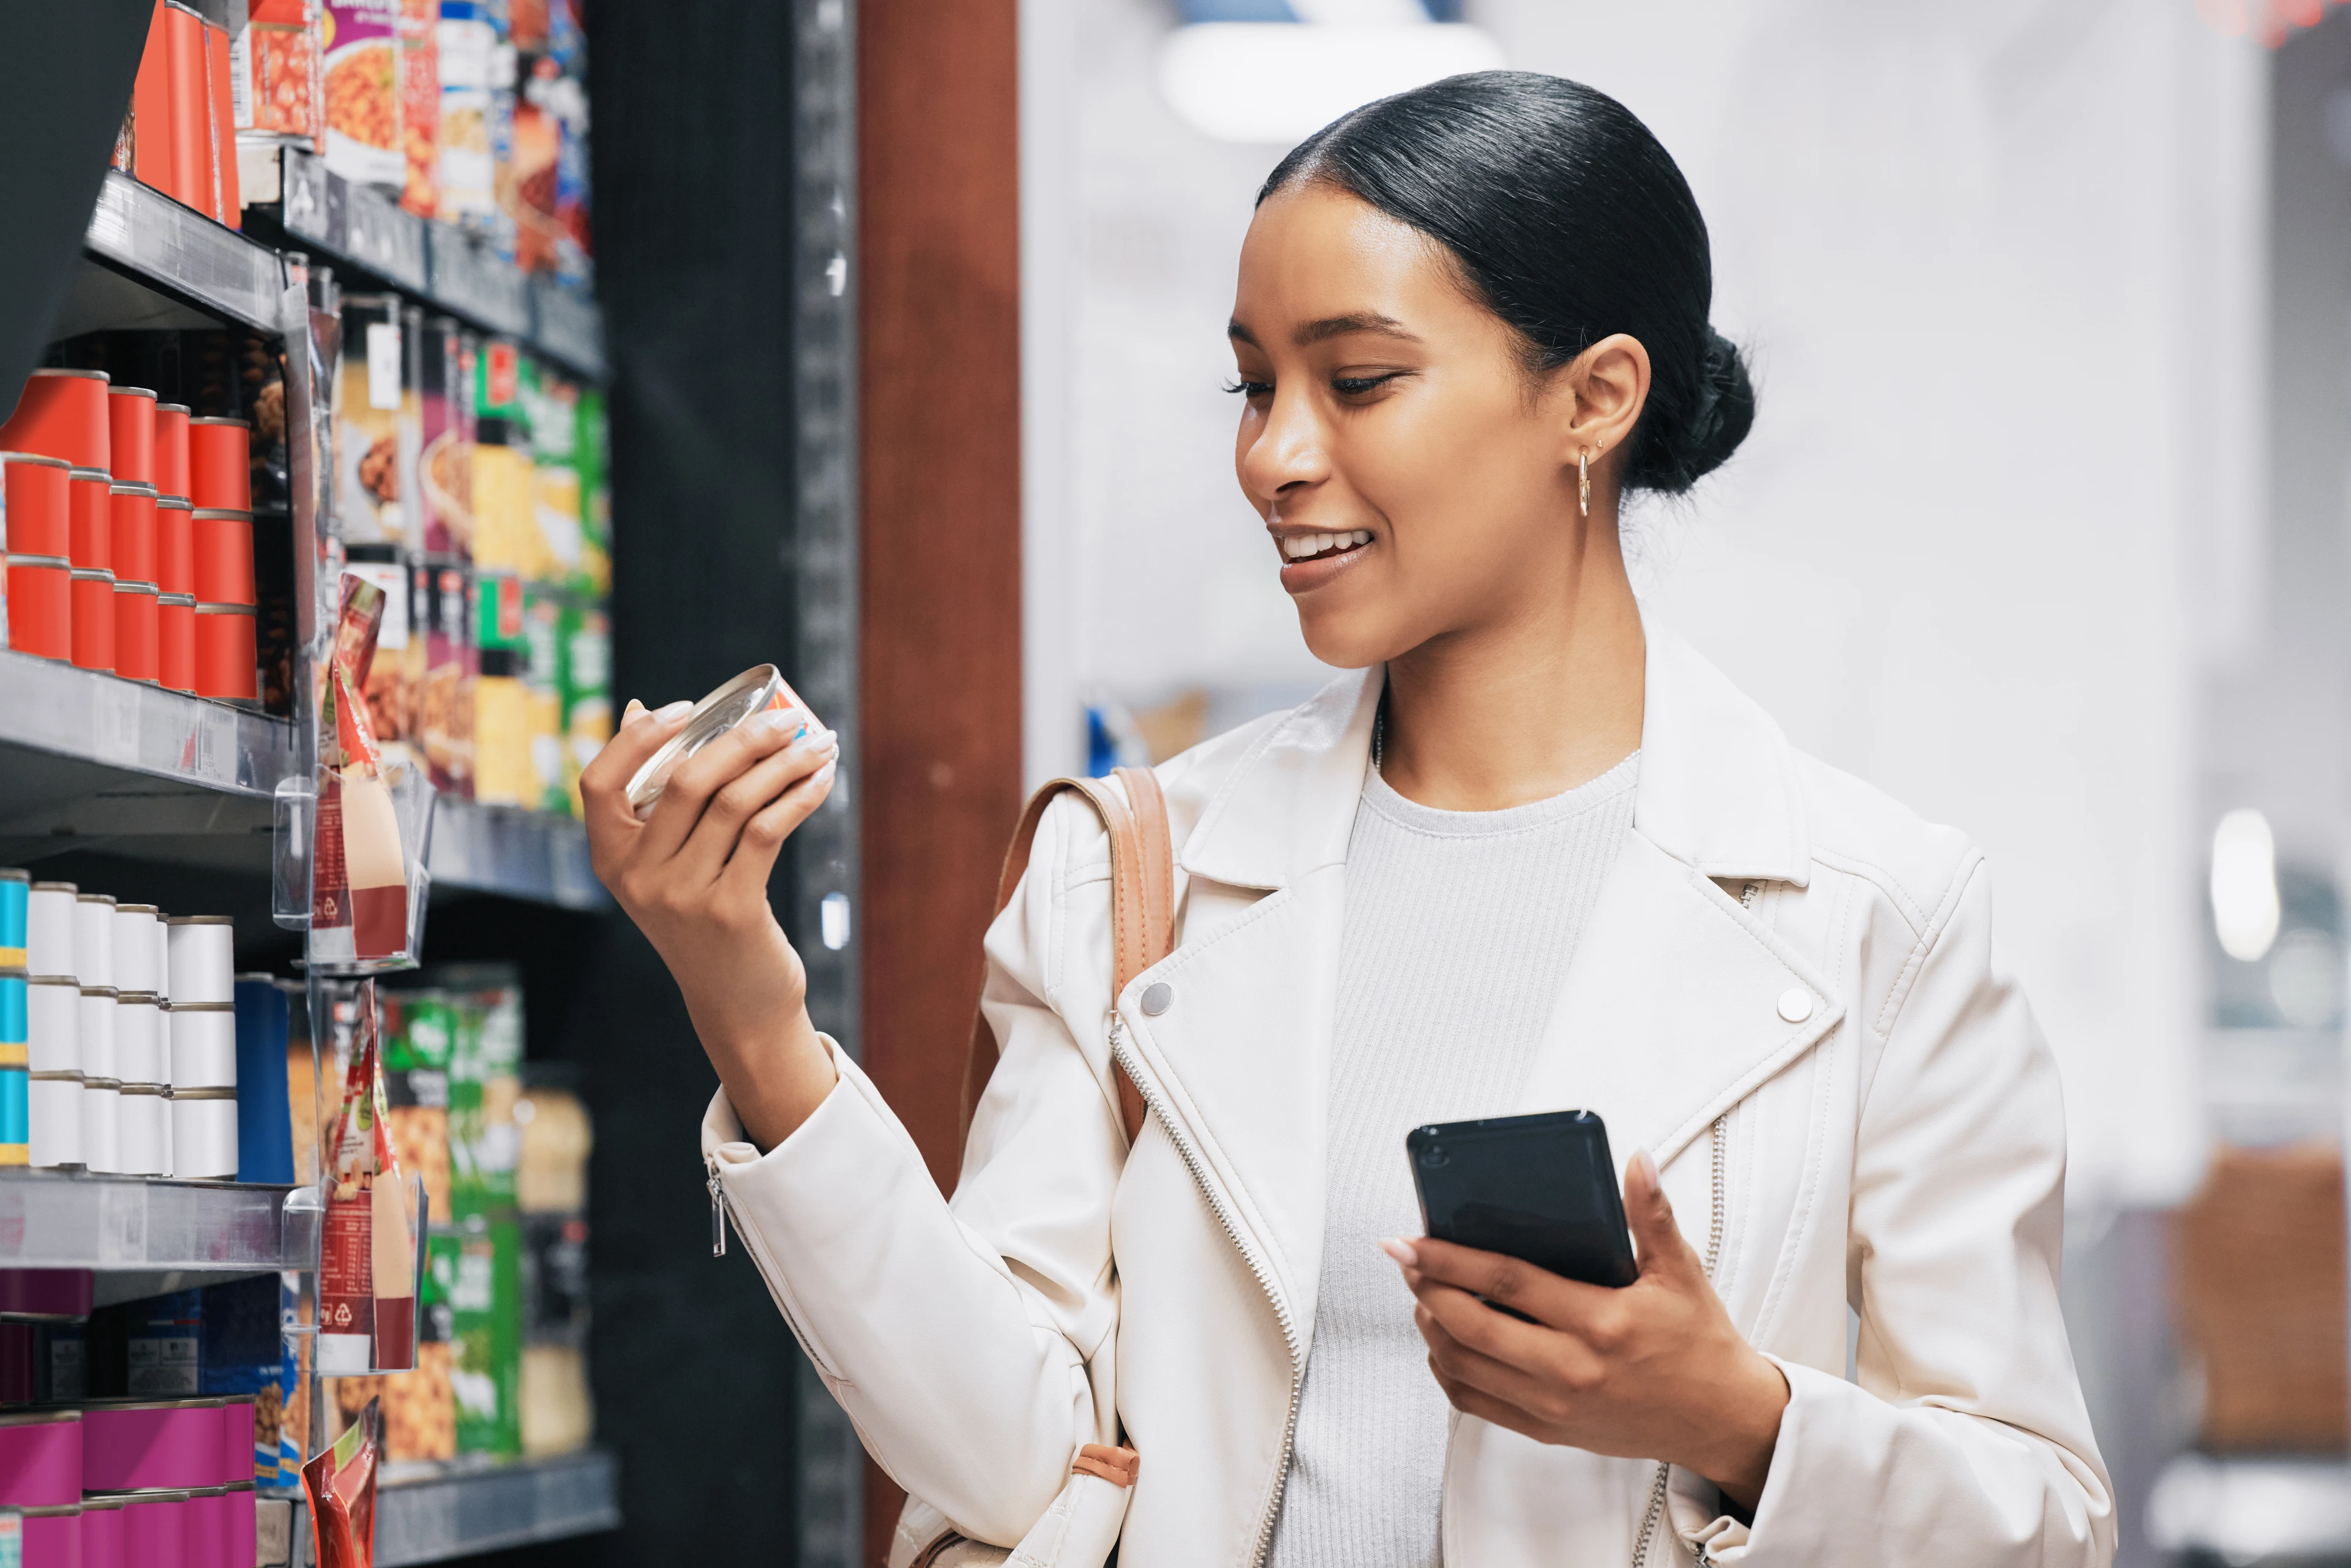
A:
[(757, 690)]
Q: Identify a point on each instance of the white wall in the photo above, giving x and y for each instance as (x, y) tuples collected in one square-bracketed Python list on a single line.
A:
[(1995, 264)]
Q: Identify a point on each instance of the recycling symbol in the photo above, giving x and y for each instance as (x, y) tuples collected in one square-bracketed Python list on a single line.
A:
[(342, 1314)]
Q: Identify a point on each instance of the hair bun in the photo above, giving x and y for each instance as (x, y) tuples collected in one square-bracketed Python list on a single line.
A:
[(1723, 412)]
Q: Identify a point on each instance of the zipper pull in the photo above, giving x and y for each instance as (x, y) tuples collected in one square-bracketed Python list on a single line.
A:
[(1753, 890), (718, 1214)]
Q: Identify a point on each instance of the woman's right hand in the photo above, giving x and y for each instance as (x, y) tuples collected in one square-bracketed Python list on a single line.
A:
[(693, 876)]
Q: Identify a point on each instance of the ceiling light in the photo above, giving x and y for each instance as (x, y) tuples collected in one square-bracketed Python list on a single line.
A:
[(1281, 81)]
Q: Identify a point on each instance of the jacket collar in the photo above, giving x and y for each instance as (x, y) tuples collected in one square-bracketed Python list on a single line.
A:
[(1717, 791)]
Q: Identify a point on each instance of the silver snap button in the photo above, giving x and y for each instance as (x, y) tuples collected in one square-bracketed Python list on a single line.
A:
[(1156, 997), (1795, 1004)]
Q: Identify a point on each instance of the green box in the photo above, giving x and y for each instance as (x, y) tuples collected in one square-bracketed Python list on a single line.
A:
[(485, 1320)]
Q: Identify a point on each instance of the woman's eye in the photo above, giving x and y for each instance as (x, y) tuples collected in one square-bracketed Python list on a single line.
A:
[(1355, 386), (1251, 390)]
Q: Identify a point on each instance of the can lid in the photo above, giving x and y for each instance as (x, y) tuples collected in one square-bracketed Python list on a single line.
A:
[(205, 919), (135, 909), (223, 512), (93, 898), (10, 873), (155, 1091), (225, 609), (62, 1511), (72, 1075), (52, 562), (92, 574), (758, 688), (98, 473), (174, 503), (130, 391), (256, 975), (101, 1083), (203, 1094), (12, 971), (66, 980), (99, 1503), (134, 488), (34, 457), (87, 375), (138, 999), (99, 991), (57, 887), (124, 586), (203, 1006), (213, 418), (36, 1417), (177, 601)]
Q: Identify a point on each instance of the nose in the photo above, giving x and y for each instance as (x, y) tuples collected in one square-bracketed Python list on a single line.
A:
[(1286, 452)]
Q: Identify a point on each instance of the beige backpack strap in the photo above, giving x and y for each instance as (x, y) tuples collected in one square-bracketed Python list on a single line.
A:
[(1142, 906)]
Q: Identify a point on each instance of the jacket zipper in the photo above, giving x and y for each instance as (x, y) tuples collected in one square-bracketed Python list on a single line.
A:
[(1146, 1087), (717, 1208), (1747, 897)]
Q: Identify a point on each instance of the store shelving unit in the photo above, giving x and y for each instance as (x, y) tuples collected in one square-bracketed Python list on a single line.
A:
[(533, 855), (2252, 1508), (430, 1514), (177, 258)]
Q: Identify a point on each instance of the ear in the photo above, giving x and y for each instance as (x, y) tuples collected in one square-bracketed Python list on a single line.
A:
[(1610, 386)]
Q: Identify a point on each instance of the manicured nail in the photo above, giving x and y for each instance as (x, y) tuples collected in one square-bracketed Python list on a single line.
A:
[(672, 712), (824, 774), (629, 711), (1401, 1251), (787, 722)]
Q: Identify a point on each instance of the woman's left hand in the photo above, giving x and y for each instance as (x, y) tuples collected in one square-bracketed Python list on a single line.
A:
[(1652, 1370)]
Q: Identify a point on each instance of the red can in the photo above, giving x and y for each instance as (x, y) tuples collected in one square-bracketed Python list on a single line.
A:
[(93, 618), (224, 556), (136, 631), (62, 413), (227, 656), (130, 435), (131, 511), (90, 518), (40, 606), (34, 506), (230, 202), (220, 456), (172, 448), (175, 546), (175, 642), (188, 89)]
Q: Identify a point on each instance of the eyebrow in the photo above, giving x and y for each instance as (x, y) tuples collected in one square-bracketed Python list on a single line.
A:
[(1330, 327)]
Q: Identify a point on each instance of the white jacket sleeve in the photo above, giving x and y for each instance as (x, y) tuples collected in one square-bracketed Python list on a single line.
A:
[(1966, 1439), (959, 1336)]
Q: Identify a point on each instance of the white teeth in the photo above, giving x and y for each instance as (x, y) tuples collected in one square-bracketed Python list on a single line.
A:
[(1297, 549), (1362, 535), (1325, 543), (1299, 546)]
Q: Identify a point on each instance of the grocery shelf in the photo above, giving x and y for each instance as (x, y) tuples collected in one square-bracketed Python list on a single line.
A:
[(84, 755), (361, 226), (175, 252), (534, 855), (2252, 1509), (432, 1513), (143, 1226)]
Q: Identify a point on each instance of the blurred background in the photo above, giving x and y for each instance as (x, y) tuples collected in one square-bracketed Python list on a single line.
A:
[(882, 340)]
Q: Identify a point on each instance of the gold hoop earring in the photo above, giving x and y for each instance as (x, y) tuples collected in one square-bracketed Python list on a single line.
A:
[(1583, 481)]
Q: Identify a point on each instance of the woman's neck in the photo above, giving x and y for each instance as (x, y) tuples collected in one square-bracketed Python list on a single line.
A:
[(1543, 697)]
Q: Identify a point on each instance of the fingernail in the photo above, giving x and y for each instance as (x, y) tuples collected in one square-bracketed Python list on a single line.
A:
[(1401, 1251), (671, 713), (825, 773), (786, 721), (1643, 1163), (634, 708)]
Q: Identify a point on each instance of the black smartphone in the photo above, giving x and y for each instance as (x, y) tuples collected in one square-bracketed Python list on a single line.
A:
[(1540, 1188)]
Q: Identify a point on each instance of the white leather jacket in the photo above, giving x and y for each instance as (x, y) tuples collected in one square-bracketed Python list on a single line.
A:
[(1844, 1052)]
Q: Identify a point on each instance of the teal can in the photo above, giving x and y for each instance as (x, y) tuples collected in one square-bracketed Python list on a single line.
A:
[(15, 1032), (15, 898)]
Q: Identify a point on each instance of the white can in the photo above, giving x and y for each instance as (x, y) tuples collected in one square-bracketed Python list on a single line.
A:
[(53, 1107), (52, 1013), (134, 934), (163, 960), (203, 955), (93, 939), (49, 928), (204, 1134), (101, 1124), (143, 1130), (203, 1046), (140, 1053), (94, 1033)]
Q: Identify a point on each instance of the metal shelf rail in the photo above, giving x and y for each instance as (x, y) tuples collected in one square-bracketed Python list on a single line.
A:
[(181, 252), (533, 855)]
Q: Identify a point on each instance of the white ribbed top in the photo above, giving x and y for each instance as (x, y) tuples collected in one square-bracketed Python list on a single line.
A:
[(1458, 930)]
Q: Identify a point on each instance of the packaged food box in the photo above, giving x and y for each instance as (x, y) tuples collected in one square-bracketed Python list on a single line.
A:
[(370, 394), (358, 48)]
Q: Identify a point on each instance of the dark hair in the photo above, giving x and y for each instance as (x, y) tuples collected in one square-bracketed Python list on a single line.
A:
[(1571, 222)]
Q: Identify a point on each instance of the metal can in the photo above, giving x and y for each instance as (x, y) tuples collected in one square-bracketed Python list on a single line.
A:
[(137, 632), (171, 449), (62, 413), (130, 532), (227, 652), (34, 504), (281, 62), (93, 618), (224, 556), (14, 1063), (759, 689), (189, 103), (40, 606), (220, 458), (175, 545), (90, 518), (130, 435), (175, 642), (15, 915)]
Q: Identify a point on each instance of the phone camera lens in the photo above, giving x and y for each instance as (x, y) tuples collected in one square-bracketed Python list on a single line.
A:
[(1434, 1155)]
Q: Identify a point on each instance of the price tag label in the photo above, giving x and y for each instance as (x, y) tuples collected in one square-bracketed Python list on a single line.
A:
[(383, 364)]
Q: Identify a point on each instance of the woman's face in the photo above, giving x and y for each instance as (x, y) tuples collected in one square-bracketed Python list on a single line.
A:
[(1415, 483)]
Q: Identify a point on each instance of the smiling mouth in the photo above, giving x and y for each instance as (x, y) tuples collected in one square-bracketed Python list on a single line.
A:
[(1317, 547)]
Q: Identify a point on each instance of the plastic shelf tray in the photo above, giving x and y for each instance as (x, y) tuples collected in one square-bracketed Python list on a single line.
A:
[(533, 855), (59, 1220), (184, 253)]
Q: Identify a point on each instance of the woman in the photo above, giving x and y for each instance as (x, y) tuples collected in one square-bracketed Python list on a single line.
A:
[(1533, 854)]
